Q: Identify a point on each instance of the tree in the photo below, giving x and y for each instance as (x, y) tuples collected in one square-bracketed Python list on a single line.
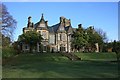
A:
[(5, 41), (116, 48), (17, 47), (86, 39), (102, 34), (31, 38), (106, 46), (7, 47), (94, 37), (80, 38), (8, 22)]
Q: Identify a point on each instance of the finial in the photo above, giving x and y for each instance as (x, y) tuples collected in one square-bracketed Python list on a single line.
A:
[(42, 15)]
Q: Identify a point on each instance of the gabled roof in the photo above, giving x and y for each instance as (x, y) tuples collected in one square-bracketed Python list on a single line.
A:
[(66, 28), (69, 29), (55, 28), (61, 26), (42, 21), (51, 30)]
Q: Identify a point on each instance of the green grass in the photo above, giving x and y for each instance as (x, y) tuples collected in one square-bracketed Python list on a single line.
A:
[(57, 66), (97, 56)]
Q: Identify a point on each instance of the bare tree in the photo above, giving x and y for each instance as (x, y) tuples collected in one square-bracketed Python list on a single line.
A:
[(8, 22), (102, 34)]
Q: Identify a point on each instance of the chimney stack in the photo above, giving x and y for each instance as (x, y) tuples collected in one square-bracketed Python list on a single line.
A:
[(29, 19), (80, 25)]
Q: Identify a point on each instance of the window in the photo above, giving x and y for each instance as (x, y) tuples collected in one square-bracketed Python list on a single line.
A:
[(26, 46), (44, 34), (64, 37), (44, 48), (40, 47), (52, 39), (62, 48), (61, 28), (61, 37), (42, 25), (58, 36)]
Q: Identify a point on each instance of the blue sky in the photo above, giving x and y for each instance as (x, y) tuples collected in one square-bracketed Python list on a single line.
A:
[(103, 15), (60, 0)]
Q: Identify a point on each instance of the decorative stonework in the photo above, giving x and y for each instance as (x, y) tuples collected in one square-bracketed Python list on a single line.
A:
[(56, 36)]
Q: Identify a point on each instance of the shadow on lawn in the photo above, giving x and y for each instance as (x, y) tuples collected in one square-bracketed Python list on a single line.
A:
[(37, 64)]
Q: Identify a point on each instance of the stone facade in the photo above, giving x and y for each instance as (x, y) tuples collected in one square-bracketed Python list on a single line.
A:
[(57, 37)]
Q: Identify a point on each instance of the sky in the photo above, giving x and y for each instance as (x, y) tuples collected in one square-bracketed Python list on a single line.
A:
[(103, 15), (60, 0)]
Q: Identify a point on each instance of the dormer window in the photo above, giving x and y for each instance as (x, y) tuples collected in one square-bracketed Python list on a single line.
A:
[(61, 28), (42, 25)]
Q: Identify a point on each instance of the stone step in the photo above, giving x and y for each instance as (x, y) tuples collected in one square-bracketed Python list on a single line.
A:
[(71, 56)]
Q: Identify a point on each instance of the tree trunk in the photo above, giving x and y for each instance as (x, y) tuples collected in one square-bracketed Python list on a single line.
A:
[(117, 55)]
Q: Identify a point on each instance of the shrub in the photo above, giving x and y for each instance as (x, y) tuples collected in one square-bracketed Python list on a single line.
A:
[(8, 52)]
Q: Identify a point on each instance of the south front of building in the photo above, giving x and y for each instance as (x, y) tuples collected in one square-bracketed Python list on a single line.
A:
[(57, 37)]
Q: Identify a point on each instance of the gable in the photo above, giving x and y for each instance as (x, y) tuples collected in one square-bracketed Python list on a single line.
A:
[(61, 28), (70, 29)]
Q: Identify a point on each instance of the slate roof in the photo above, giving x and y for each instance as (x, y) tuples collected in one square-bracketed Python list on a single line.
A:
[(42, 21), (38, 23), (51, 30), (54, 28), (35, 26), (66, 28)]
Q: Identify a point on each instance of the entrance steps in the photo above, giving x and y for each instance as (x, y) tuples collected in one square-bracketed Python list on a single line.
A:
[(71, 56)]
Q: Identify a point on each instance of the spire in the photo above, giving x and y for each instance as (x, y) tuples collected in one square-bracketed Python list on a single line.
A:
[(42, 16)]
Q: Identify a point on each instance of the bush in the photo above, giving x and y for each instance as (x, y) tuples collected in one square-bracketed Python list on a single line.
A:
[(8, 52)]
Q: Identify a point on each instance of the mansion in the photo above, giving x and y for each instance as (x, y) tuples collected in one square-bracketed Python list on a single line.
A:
[(57, 37)]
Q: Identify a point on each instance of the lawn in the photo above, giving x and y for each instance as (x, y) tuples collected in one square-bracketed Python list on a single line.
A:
[(97, 56), (57, 66)]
